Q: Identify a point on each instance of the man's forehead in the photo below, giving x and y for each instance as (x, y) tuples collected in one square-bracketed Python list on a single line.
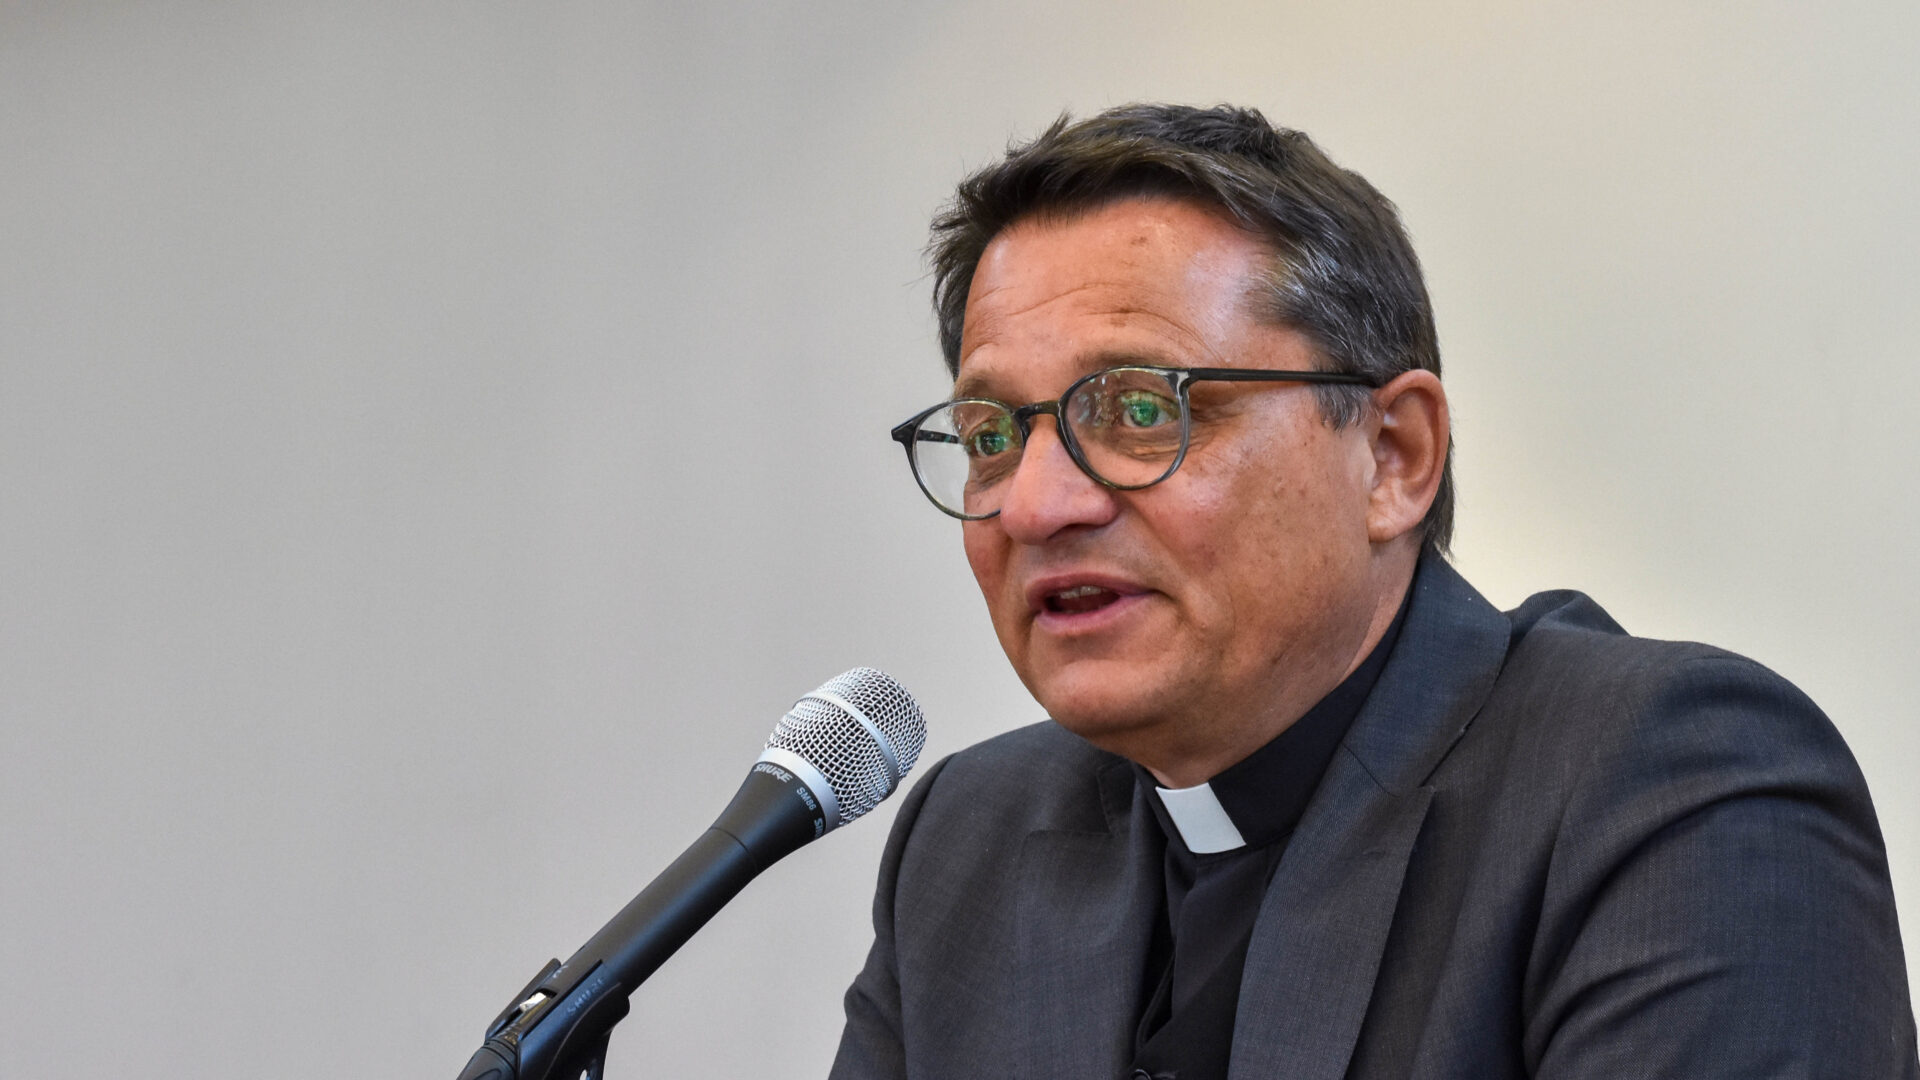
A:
[(1021, 312), (1155, 238), (1144, 281)]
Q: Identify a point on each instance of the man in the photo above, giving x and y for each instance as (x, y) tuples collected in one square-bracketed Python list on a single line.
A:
[(1308, 806)]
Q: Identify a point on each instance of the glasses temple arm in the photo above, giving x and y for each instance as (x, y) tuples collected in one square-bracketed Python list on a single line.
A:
[(1334, 378)]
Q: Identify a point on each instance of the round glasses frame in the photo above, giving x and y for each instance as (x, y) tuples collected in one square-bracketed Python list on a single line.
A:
[(909, 433)]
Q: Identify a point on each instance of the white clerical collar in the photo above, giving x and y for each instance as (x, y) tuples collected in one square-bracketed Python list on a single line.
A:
[(1203, 823)]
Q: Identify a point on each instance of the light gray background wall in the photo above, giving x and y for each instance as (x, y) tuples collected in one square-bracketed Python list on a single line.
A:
[(438, 440)]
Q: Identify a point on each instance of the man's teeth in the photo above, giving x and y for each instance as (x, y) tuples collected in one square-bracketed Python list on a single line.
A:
[(1080, 598)]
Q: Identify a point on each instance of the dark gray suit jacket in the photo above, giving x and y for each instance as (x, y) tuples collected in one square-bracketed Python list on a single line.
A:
[(1546, 849)]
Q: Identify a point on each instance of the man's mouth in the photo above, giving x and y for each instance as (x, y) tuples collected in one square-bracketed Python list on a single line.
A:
[(1079, 599)]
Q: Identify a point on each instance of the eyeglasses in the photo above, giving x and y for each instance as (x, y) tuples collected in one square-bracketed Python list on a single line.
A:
[(1125, 427)]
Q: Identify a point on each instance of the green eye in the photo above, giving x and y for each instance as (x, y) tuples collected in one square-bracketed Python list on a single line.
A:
[(989, 440), (1142, 410)]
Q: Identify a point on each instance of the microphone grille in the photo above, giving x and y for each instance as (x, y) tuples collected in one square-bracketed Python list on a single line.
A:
[(861, 730)]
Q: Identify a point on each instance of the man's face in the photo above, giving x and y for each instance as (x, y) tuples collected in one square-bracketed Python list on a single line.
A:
[(1213, 609)]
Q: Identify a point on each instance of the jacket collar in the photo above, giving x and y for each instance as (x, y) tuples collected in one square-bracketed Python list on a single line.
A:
[(1450, 653), (1323, 926)]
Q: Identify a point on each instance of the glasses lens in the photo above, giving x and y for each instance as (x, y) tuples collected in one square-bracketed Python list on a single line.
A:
[(962, 453), (1129, 425)]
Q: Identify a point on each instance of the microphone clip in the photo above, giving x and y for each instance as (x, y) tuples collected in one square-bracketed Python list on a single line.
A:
[(583, 1023)]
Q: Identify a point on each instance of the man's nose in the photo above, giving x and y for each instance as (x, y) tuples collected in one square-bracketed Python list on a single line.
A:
[(1049, 492)]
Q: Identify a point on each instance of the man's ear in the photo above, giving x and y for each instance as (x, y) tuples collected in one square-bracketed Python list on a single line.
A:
[(1410, 432)]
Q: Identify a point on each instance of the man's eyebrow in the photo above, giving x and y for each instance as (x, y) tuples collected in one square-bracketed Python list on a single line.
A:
[(975, 388), (967, 386)]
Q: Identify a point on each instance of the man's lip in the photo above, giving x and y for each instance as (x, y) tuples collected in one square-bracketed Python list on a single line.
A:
[(1039, 589)]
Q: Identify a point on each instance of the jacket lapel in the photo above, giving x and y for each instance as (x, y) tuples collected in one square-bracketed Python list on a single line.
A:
[(1322, 928), (1086, 907)]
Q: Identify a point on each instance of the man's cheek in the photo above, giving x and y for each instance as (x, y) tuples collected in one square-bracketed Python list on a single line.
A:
[(989, 572)]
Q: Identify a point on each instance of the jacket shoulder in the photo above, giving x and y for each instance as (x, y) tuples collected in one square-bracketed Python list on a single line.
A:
[(1601, 707), (1694, 830), (1036, 777), (1565, 645)]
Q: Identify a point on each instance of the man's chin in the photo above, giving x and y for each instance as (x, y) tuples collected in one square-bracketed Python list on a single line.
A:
[(1104, 711)]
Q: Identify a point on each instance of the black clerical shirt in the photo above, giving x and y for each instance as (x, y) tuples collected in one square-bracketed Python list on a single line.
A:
[(1212, 897)]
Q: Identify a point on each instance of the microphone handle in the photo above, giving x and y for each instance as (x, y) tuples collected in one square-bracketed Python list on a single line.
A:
[(557, 1026)]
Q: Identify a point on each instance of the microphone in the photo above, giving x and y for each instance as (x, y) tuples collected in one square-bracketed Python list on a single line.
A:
[(834, 755)]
